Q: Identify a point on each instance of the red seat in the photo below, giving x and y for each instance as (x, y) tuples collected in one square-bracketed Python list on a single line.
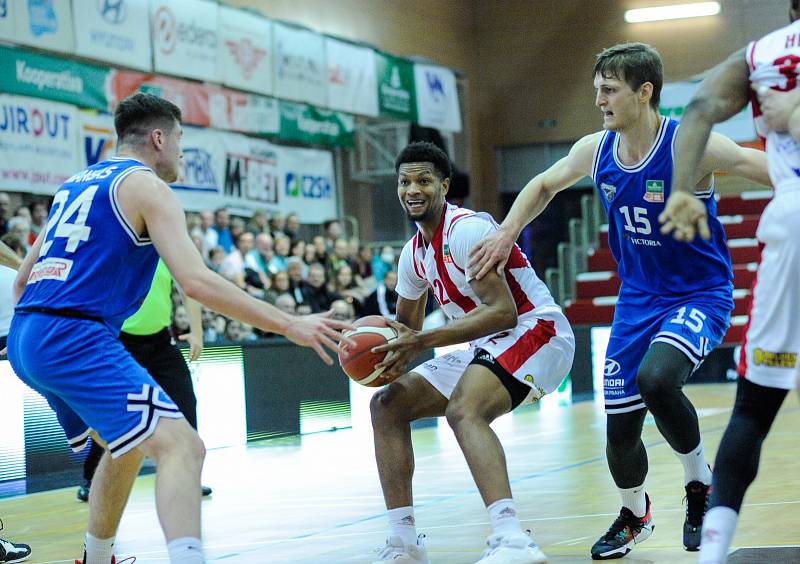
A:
[(743, 255), (738, 205), (602, 259), (584, 312), (744, 229)]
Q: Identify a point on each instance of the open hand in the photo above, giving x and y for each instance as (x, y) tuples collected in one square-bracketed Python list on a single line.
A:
[(489, 252), (684, 216), (320, 331)]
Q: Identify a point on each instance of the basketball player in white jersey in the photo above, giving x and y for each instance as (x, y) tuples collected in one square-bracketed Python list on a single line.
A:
[(768, 364), (521, 347)]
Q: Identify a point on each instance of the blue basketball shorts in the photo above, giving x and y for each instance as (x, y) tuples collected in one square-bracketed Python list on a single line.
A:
[(692, 324), (90, 381)]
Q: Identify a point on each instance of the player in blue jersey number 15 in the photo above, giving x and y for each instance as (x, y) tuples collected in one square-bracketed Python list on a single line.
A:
[(667, 317)]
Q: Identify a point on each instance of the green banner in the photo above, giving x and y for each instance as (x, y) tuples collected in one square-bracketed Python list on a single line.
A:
[(63, 80), (313, 126), (396, 95)]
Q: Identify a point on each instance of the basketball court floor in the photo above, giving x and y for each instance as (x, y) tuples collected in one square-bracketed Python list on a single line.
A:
[(316, 499)]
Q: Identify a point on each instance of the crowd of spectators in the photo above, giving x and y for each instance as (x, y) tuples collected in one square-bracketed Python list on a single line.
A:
[(267, 256)]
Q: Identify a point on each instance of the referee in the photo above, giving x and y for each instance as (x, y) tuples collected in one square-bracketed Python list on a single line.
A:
[(147, 337)]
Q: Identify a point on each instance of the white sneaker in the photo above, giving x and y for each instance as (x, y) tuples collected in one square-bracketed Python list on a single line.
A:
[(518, 548), (398, 553)]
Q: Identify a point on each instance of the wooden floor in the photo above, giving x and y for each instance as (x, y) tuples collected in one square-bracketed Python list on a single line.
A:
[(317, 499)]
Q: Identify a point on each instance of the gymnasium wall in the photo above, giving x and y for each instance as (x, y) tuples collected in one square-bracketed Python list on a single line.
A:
[(526, 61)]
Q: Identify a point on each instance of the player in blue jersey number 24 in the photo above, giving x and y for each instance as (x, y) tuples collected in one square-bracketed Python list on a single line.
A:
[(667, 317)]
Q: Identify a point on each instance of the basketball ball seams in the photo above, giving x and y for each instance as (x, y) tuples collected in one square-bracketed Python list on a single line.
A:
[(358, 361)]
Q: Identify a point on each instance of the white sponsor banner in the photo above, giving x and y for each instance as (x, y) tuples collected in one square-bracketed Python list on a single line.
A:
[(38, 144), (252, 177), (352, 84), (299, 64), (97, 139), (117, 31), (186, 38), (675, 96), (249, 113), (437, 97), (44, 24), (245, 50), (307, 185), (7, 19), (199, 185)]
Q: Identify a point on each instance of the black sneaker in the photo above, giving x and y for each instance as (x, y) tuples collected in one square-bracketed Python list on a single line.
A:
[(13, 552), (697, 494), (83, 490), (626, 531)]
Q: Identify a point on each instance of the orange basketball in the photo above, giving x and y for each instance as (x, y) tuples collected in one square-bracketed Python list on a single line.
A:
[(358, 361)]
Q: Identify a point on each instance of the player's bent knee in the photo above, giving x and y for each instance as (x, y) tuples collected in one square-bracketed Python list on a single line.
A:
[(174, 437)]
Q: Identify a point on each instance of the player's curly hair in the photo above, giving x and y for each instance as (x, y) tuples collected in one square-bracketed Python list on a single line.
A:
[(635, 63), (425, 152), (137, 115)]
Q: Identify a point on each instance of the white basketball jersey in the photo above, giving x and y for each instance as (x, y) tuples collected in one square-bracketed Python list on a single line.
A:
[(773, 62), (442, 266)]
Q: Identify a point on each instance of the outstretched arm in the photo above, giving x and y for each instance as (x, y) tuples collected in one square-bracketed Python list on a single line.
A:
[(722, 94), (493, 251), (8, 257)]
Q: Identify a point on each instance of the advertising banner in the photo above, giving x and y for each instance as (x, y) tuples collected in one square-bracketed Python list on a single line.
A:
[(299, 64), (252, 177), (307, 183), (248, 113), (245, 51), (97, 140), (38, 144), (44, 24), (676, 95), (62, 80), (186, 38), (352, 86), (117, 31), (199, 185), (437, 98), (312, 126), (396, 95), (7, 19)]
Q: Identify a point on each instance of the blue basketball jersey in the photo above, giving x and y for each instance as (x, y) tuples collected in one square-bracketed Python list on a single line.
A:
[(92, 261), (634, 197)]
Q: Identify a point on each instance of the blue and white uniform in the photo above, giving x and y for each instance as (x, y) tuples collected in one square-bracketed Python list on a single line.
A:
[(93, 272), (660, 299)]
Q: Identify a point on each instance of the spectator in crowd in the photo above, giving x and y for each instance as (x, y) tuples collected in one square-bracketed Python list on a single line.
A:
[(221, 229), (315, 292), (321, 248), (233, 265), (338, 258), (206, 233), (237, 227), (345, 287), (180, 320), (292, 227), (216, 256), (5, 208), (362, 265), (282, 248), (209, 326), (310, 254), (277, 223), (297, 272), (286, 303), (383, 301), (21, 227), (258, 223), (387, 260), (39, 211), (23, 212), (280, 285), (298, 249), (13, 243), (333, 231), (238, 331), (342, 310), (257, 259)]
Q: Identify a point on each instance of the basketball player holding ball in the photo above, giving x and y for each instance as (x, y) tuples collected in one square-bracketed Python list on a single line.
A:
[(521, 347)]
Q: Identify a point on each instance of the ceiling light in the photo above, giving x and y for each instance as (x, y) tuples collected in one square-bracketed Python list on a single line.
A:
[(672, 12)]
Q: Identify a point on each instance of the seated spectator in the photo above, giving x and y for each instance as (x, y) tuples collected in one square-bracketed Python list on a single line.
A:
[(338, 258), (292, 227), (342, 311), (279, 284), (219, 234), (282, 247), (297, 272), (5, 209), (333, 231), (362, 267), (216, 256), (310, 254), (257, 259), (321, 250), (298, 249), (180, 321), (233, 265), (383, 301), (346, 287), (21, 227), (286, 303), (237, 228), (315, 292), (209, 326), (238, 331), (23, 212), (258, 224), (276, 224), (205, 232), (39, 211), (387, 260)]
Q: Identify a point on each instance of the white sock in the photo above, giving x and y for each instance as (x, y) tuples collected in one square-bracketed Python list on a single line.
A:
[(695, 467), (634, 499), (402, 524), (186, 550), (503, 516), (98, 551), (719, 525)]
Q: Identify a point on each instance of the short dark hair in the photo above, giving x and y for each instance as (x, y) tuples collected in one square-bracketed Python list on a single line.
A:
[(635, 63), (424, 152), (137, 115)]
